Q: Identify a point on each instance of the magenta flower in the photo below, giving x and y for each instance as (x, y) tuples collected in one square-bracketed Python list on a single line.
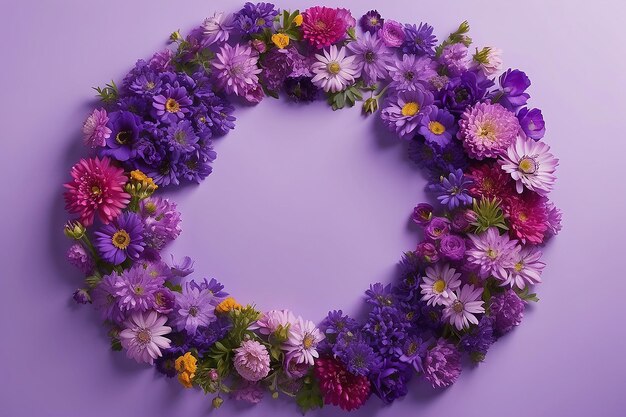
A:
[(324, 26), (143, 336), (487, 130), (95, 129), (252, 360), (339, 387), (392, 33)]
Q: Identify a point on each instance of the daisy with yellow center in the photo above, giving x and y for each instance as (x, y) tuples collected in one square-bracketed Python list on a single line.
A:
[(410, 109), (439, 284)]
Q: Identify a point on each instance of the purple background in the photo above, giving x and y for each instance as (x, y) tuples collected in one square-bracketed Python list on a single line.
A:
[(306, 207)]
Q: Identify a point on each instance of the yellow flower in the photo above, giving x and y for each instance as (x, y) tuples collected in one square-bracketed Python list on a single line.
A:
[(227, 305), (297, 20), (280, 40), (185, 379), (186, 364)]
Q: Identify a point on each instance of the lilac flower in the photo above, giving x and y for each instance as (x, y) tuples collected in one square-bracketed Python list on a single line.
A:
[(124, 127), (453, 190), (462, 305), (301, 89), (273, 321), (221, 116), (427, 252), (371, 22), (439, 284), (162, 60), (454, 58), (438, 127), (532, 123), (81, 296), (452, 247), (508, 310), (531, 165), (121, 239), (422, 213), (135, 289), (143, 336), (194, 308), (217, 28), (182, 268), (254, 18), (392, 33), (492, 253), (488, 60), (172, 104), (236, 69), (251, 393), (252, 360), (442, 365), (391, 382), (146, 84), (106, 300), (411, 72), (419, 39), (554, 219), (386, 328), (358, 357), (437, 228), (161, 221), (514, 84), (371, 57), (278, 64), (379, 295), (461, 92), (404, 111), (95, 129), (213, 286), (478, 339), (301, 346), (413, 353), (487, 130), (333, 70), (526, 268), (78, 257), (181, 137), (336, 322), (164, 301)]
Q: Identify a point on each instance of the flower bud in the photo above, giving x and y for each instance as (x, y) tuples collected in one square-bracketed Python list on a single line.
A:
[(370, 105), (74, 230), (81, 296), (217, 402)]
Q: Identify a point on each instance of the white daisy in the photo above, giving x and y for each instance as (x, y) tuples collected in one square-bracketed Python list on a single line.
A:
[(333, 70), (439, 284), (531, 165), (526, 268)]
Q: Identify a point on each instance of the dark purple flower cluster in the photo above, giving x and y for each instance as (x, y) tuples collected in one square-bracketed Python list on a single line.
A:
[(163, 123)]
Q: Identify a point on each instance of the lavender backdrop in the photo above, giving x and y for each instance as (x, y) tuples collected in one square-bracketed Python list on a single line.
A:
[(306, 221)]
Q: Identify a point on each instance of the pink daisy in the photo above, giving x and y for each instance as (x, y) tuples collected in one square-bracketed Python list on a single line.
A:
[(527, 217), (531, 165), (301, 346), (95, 129), (143, 336), (324, 26), (462, 306), (97, 187), (526, 268), (491, 253), (487, 130)]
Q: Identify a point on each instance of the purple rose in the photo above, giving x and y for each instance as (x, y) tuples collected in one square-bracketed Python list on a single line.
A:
[(514, 83), (427, 252), (452, 247), (462, 220), (422, 213), (437, 228), (532, 123), (392, 33)]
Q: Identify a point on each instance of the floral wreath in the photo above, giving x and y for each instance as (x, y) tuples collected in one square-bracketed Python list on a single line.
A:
[(463, 119)]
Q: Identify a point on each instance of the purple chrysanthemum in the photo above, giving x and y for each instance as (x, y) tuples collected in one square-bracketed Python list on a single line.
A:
[(508, 310), (161, 221), (438, 128), (194, 308), (454, 58), (404, 111), (278, 64), (236, 69), (371, 22), (95, 129), (106, 300), (442, 365), (452, 191), (461, 307), (254, 18), (135, 289), (336, 322), (78, 257), (411, 73), (427, 252), (358, 357), (181, 138), (477, 340), (492, 253), (121, 239), (487, 130), (413, 352), (217, 28), (391, 382), (371, 57), (554, 219), (419, 39)]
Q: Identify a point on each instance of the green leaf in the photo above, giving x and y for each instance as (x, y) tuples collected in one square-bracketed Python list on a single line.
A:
[(526, 296), (173, 287), (309, 397), (116, 345), (109, 93)]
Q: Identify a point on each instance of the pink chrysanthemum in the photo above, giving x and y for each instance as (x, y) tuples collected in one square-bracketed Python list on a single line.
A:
[(531, 165), (527, 217), (143, 336), (323, 26), (339, 387), (97, 187), (489, 181), (554, 219), (95, 129), (491, 253), (526, 268), (252, 360), (487, 130), (236, 69)]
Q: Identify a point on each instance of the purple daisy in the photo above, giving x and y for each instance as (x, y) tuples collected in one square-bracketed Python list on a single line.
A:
[(462, 305), (419, 39), (254, 18), (95, 129), (438, 127), (439, 284), (411, 72), (371, 22), (413, 352), (121, 239), (487, 130), (492, 253), (173, 104), (161, 221), (526, 268), (404, 111), (531, 165), (195, 308), (181, 137), (236, 69), (453, 190), (371, 57), (143, 336), (136, 288)]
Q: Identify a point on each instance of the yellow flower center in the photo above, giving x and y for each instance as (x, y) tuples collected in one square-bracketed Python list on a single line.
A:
[(527, 165), (149, 85), (522, 216), (410, 109), (439, 286), (95, 190), (137, 175), (307, 342), (334, 67), (491, 253), (436, 127), (487, 131), (122, 137), (260, 21), (172, 105), (519, 266), (121, 239), (144, 336), (320, 25)]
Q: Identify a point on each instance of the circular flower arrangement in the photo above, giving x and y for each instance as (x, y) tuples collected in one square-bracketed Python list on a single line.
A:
[(466, 283)]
